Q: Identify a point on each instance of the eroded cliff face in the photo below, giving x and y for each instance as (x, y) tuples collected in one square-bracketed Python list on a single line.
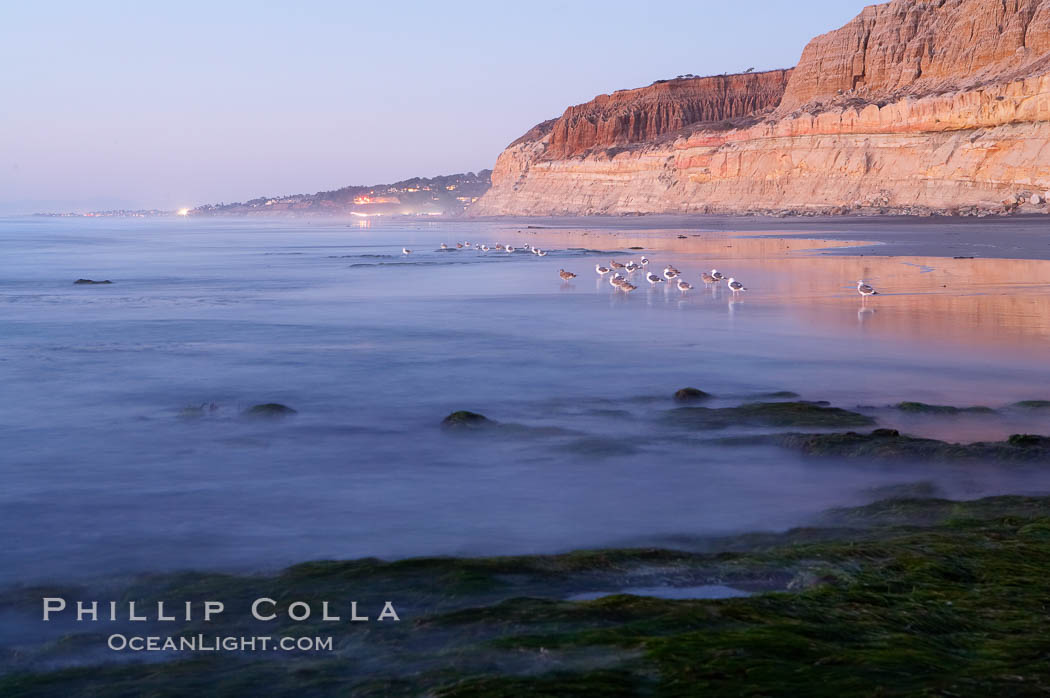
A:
[(648, 113), (909, 47), (927, 105)]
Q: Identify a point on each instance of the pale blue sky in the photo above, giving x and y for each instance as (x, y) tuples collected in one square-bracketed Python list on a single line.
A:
[(168, 104)]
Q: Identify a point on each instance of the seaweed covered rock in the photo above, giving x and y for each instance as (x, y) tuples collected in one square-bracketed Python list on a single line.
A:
[(891, 444), (923, 408), (1032, 405), (770, 414), (90, 282), (269, 410), (466, 420), (690, 395)]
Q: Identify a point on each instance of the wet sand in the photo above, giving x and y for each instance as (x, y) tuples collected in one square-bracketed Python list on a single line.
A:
[(999, 237)]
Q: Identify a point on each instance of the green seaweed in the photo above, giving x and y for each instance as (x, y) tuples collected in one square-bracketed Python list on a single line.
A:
[(915, 597)]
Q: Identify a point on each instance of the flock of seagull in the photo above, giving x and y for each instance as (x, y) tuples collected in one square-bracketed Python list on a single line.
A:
[(485, 248), (622, 283), (671, 275)]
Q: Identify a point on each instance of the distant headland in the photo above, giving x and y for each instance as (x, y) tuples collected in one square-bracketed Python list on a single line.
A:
[(444, 195)]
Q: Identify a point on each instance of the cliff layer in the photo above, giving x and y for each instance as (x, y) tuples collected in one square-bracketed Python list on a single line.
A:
[(647, 113), (912, 105)]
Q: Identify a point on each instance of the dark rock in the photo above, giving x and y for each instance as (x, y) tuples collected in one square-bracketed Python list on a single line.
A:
[(773, 414), (690, 395), (90, 282), (923, 408), (890, 444), (777, 395), (269, 410), (464, 419), (1032, 405)]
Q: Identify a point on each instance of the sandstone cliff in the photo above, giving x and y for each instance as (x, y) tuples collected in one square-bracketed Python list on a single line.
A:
[(934, 105), (647, 113)]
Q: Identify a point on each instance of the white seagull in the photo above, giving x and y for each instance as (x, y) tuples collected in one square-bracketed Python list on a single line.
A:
[(444, 246), (653, 279), (717, 275), (735, 286), (616, 280), (684, 286), (865, 290), (602, 271), (541, 253), (405, 250), (645, 261), (509, 248)]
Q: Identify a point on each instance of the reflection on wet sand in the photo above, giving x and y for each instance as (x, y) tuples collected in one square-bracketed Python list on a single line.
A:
[(981, 302)]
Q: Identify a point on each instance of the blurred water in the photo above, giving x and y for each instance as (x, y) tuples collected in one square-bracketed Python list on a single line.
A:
[(373, 348)]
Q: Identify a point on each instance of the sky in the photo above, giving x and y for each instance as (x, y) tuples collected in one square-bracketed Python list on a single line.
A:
[(169, 104)]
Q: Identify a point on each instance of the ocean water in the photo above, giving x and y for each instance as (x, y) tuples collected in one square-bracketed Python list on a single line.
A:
[(104, 474)]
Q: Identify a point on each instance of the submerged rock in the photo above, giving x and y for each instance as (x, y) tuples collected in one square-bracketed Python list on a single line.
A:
[(464, 419), (690, 395), (1032, 405), (891, 444), (89, 282), (771, 414), (923, 408), (269, 410), (777, 395), (191, 413)]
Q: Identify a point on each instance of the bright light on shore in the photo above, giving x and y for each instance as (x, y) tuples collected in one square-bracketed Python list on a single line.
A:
[(182, 212)]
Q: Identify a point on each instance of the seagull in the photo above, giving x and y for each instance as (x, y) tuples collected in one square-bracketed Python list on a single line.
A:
[(509, 248), (541, 253), (735, 286), (717, 275), (405, 250), (627, 287), (535, 250), (484, 248), (566, 275), (466, 243), (526, 247), (602, 271), (645, 261), (653, 279), (616, 280), (865, 290), (707, 279), (670, 273), (459, 245), (683, 286), (444, 246), (631, 267), (616, 265)]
